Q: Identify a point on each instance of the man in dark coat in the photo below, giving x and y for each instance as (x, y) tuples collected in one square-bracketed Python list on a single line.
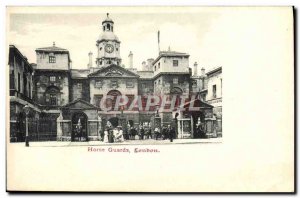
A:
[(171, 132), (142, 133)]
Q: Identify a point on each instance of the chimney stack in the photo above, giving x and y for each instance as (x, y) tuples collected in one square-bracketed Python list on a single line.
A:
[(90, 59), (202, 71), (149, 63), (195, 69), (130, 59), (144, 66)]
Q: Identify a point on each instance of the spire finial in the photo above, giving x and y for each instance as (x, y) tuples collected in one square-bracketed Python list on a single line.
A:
[(53, 43), (107, 14)]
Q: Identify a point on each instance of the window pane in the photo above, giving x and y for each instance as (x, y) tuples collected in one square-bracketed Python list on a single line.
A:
[(175, 63)]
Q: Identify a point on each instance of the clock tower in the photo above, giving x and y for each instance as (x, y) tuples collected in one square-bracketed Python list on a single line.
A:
[(108, 45)]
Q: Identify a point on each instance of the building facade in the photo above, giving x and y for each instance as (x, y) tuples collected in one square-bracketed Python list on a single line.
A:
[(62, 98)]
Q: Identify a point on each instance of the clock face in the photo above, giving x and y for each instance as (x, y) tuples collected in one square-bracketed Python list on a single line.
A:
[(109, 48)]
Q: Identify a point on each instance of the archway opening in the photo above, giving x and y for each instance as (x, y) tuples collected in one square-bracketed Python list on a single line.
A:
[(79, 127)]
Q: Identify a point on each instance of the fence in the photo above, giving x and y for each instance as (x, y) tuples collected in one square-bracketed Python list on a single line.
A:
[(39, 129)]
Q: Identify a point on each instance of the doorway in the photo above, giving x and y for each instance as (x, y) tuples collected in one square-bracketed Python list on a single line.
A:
[(79, 127)]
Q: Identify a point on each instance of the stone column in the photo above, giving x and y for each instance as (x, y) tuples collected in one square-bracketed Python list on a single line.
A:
[(99, 127), (59, 127)]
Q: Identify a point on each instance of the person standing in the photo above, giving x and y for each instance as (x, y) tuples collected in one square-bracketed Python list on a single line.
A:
[(171, 132), (132, 133), (142, 133), (105, 138)]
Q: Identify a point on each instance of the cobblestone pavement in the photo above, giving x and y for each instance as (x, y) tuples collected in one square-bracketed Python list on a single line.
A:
[(126, 142)]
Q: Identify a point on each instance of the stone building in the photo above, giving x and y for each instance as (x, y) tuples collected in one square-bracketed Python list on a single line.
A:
[(63, 99), (20, 91), (214, 94)]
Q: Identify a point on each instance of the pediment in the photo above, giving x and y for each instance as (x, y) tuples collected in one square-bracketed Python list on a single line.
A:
[(113, 71), (80, 104)]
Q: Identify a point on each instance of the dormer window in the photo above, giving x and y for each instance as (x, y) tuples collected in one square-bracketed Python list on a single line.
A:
[(52, 59)]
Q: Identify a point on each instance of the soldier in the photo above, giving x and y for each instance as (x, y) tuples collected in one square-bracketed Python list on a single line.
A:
[(171, 132), (142, 133)]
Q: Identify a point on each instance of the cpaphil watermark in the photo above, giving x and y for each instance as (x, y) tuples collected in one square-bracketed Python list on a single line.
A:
[(150, 103)]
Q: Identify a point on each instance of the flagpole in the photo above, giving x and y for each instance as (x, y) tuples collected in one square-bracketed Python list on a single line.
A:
[(158, 34)]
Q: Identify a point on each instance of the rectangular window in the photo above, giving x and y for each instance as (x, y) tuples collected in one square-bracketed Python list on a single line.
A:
[(19, 82), (129, 84), (24, 84), (221, 86), (97, 100), (52, 59), (114, 83), (214, 91), (52, 78), (175, 80), (98, 84), (175, 63), (194, 83), (158, 65), (52, 99)]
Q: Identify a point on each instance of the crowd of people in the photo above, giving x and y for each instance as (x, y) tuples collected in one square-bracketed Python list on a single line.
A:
[(119, 134)]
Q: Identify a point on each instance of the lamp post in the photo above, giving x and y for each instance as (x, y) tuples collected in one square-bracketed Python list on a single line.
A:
[(122, 118), (26, 109)]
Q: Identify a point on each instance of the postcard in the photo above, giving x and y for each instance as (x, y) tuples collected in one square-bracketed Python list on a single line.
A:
[(150, 99)]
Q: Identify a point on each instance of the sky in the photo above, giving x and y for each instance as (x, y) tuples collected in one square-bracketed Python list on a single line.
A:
[(184, 32)]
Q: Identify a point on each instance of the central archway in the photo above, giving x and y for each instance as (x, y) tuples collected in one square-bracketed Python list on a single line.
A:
[(79, 127)]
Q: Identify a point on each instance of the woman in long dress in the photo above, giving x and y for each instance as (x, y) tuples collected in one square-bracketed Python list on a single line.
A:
[(105, 136)]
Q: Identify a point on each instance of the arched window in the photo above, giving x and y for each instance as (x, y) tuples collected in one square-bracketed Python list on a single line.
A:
[(108, 27), (52, 95), (112, 101)]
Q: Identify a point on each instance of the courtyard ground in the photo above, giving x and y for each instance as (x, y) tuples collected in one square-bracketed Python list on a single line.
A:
[(126, 142)]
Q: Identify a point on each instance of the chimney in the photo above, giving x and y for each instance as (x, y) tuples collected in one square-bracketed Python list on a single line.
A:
[(144, 66), (90, 59), (149, 63), (130, 59), (195, 69), (202, 71)]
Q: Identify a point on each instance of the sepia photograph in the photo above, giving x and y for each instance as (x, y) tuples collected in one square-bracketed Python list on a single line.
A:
[(62, 92)]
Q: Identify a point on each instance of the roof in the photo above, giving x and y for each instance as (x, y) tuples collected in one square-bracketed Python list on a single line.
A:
[(214, 70), (83, 102), (94, 74), (14, 48), (145, 74), (79, 73), (170, 54), (52, 49), (108, 36), (198, 103)]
